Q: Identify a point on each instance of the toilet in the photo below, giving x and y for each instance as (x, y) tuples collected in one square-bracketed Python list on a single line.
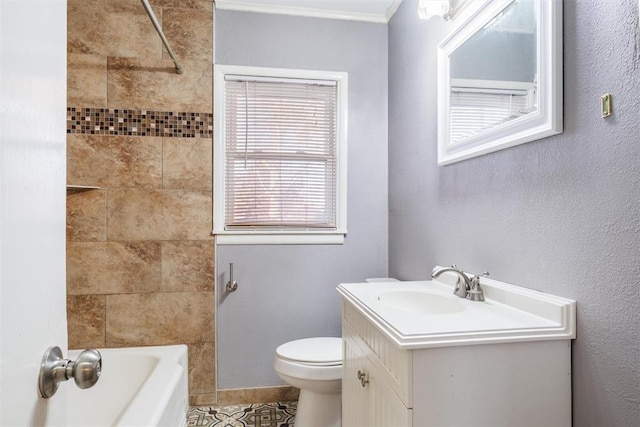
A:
[(314, 365)]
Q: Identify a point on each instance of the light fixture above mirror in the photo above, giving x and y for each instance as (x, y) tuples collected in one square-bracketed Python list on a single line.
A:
[(500, 78), (447, 9)]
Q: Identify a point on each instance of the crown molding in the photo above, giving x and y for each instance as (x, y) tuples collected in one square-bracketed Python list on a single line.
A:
[(392, 9), (249, 6)]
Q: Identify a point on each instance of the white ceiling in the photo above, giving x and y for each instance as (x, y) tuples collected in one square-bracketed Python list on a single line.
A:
[(357, 10)]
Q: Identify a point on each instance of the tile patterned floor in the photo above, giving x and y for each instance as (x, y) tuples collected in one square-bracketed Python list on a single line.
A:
[(257, 415)]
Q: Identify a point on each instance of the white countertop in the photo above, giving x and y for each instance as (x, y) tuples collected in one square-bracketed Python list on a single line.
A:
[(509, 314)]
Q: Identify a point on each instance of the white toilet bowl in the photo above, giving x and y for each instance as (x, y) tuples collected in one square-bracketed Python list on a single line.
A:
[(314, 365)]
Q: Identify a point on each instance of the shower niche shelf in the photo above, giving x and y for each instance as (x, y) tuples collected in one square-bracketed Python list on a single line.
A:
[(80, 188)]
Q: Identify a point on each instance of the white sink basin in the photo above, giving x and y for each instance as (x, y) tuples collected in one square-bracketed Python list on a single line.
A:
[(420, 302), (422, 314)]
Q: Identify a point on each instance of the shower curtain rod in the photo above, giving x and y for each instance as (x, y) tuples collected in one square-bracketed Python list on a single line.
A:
[(156, 24)]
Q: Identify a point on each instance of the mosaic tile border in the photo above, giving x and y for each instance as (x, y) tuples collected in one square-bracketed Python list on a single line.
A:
[(279, 414), (105, 121)]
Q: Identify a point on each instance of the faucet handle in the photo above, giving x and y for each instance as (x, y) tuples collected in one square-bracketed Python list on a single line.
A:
[(475, 280), (475, 292)]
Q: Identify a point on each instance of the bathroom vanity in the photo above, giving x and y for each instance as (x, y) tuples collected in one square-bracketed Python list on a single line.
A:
[(417, 355)]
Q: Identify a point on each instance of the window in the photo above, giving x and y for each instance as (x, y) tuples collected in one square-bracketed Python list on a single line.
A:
[(477, 105), (280, 156)]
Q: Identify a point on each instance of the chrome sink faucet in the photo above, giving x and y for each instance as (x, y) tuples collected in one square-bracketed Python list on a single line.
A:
[(465, 287)]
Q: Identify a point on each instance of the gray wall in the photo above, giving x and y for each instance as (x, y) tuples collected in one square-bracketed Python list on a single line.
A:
[(561, 215), (288, 292)]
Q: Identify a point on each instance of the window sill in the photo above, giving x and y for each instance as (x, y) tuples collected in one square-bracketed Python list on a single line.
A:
[(240, 238)]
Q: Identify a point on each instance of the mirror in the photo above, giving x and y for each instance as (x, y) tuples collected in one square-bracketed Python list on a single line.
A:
[(500, 78)]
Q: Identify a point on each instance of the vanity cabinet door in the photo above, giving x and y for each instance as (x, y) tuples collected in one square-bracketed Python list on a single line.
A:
[(385, 407), (355, 397), (367, 400)]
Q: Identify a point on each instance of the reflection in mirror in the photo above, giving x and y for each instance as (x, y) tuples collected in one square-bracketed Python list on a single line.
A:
[(493, 73), (500, 78)]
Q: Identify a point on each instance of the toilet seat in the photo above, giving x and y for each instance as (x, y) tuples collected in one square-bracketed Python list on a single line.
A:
[(307, 371), (311, 359), (320, 351)]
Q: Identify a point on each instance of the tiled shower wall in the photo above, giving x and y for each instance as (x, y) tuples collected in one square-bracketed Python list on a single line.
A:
[(140, 257)]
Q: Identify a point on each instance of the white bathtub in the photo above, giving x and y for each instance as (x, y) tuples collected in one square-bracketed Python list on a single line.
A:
[(139, 386)]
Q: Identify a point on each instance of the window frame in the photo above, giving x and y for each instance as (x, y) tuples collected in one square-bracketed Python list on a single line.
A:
[(284, 235)]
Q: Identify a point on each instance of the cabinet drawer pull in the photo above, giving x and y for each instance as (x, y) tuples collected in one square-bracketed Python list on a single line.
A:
[(361, 377)]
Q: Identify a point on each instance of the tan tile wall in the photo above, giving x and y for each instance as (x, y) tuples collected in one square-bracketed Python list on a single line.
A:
[(140, 257)]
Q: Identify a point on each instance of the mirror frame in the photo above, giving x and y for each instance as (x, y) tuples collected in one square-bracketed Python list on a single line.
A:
[(544, 122)]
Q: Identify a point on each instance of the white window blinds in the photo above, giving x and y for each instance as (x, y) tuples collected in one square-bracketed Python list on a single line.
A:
[(280, 153), (474, 111)]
